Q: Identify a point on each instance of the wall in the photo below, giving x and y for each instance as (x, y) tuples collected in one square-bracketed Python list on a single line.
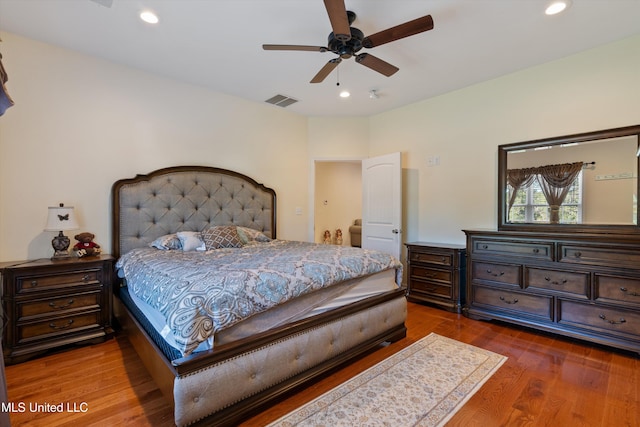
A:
[(592, 90), (81, 123)]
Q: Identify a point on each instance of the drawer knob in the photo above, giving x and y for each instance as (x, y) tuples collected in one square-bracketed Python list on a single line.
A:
[(555, 282), (577, 254), (613, 322), (34, 283), (86, 278), (495, 274), (53, 305), (485, 246), (536, 250), (58, 327), (513, 301), (632, 293)]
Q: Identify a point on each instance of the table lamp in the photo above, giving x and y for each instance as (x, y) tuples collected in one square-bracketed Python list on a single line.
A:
[(61, 218)]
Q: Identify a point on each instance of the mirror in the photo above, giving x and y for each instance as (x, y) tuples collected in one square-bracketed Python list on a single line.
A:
[(578, 183)]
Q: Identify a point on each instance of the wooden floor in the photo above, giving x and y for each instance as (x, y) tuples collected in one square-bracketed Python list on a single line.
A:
[(547, 381)]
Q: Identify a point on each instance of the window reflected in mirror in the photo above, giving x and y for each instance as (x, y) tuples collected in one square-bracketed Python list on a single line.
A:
[(600, 189)]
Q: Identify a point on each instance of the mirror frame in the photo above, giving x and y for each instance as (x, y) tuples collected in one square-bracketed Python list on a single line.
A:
[(504, 149)]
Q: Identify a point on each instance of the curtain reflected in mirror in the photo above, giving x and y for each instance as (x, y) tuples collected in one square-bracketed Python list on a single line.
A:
[(584, 181)]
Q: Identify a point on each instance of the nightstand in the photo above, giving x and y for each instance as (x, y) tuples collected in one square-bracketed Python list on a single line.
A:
[(437, 274), (48, 304)]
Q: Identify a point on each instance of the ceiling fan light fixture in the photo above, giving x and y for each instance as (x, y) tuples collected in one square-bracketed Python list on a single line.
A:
[(373, 94), (556, 7), (149, 17)]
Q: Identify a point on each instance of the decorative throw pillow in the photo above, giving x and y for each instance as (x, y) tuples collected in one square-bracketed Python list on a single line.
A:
[(250, 235), (221, 236), (167, 242), (191, 241)]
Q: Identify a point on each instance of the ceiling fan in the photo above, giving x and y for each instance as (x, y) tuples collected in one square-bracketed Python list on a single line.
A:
[(345, 40)]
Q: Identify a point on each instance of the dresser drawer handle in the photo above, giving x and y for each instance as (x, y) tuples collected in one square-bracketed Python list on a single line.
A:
[(485, 246), (577, 254), (34, 283), (65, 326), (495, 274), (536, 250), (86, 278), (60, 307), (513, 301), (613, 322), (633, 293), (555, 282), (430, 275)]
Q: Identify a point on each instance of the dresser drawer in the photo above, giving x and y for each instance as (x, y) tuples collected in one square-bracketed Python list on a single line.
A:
[(432, 258), (36, 283), (537, 250), (576, 284), (617, 289), (436, 289), (531, 305), (57, 305), (595, 255), (492, 272), (418, 272), (613, 320), (55, 327)]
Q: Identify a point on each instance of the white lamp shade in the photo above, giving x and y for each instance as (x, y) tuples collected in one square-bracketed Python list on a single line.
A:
[(61, 218)]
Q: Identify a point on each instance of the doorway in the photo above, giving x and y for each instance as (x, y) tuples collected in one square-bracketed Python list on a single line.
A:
[(337, 198)]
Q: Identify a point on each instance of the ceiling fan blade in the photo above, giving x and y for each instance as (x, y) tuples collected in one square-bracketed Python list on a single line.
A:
[(326, 70), (294, 47), (399, 32), (339, 20), (376, 64)]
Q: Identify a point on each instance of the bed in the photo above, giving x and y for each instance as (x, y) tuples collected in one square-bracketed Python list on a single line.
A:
[(220, 360)]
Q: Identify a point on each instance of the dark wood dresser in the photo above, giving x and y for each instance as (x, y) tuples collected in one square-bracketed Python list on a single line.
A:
[(48, 304), (585, 286), (436, 274)]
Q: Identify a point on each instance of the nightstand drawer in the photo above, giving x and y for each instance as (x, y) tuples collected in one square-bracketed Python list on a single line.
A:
[(57, 326), (430, 288), (432, 258), (58, 305), (418, 272), (43, 282)]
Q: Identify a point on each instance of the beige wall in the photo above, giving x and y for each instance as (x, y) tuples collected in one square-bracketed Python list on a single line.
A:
[(593, 90), (80, 123)]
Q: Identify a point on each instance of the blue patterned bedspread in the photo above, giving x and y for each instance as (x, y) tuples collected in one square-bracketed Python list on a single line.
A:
[(201, 293)]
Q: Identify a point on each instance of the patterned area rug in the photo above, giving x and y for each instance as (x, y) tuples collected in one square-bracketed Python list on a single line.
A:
[(422, 385)]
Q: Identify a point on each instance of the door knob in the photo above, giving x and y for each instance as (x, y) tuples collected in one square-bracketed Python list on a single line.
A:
[(396, 231)]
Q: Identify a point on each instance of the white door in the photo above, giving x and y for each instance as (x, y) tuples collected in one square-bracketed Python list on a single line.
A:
[(382, 204)]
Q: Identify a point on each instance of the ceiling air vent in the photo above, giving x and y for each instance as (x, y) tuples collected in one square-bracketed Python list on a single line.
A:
[(281, 101)]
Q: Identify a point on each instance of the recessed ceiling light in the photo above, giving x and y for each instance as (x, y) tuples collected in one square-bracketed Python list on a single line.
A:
[(149, 17), (556, 7), (345, 94)]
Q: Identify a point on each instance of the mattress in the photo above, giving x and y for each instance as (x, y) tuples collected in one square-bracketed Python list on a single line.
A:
[(307, 306)]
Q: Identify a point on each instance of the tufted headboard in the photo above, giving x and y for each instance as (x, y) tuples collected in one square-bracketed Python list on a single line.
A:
[(187, 198)]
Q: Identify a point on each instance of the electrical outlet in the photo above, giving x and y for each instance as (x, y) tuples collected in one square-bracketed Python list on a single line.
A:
[(433, 161)]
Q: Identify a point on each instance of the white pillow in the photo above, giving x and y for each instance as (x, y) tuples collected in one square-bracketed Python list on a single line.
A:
[(191, 241)]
